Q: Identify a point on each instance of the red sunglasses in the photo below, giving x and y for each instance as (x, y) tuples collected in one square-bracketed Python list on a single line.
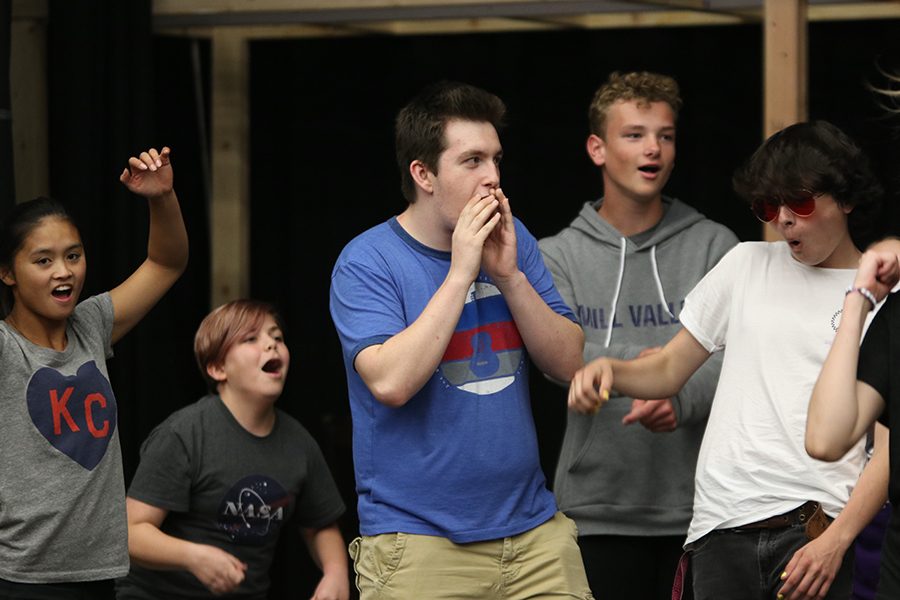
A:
[(766, 210)]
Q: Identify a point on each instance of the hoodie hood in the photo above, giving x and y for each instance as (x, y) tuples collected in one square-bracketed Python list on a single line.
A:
[(677, 217)]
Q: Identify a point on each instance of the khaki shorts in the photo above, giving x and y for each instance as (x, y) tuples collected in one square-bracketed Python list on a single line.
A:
[(542, 563)]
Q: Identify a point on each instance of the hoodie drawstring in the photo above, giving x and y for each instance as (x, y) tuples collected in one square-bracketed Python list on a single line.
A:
[(659, 287), (615, 302)]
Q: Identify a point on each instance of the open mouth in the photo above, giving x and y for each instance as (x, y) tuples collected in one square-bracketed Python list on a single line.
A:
[(62, 292), (652, 169), (272, 366)]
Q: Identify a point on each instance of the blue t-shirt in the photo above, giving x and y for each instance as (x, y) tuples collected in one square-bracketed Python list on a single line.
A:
[(460, 459)]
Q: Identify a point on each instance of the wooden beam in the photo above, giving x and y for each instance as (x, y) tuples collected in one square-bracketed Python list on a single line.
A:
[(309, 18), (854, 11), (28, 85), (229, 208), (427, 26), (172, 7), (785, 64), (255, 32), (662, 18), (785, 85)]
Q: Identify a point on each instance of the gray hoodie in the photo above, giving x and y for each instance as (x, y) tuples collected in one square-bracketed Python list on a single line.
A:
[(614, 479)]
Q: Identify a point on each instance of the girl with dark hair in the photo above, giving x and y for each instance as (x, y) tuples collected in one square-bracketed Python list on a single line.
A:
[(63, 531)]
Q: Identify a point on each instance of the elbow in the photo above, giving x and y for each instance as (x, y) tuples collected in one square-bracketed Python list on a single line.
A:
[(179, 261), (820, 449), (568, 370), (565, 361), (392, 396), (182, 263)]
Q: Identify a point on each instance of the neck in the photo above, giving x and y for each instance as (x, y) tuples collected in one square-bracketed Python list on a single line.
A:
[(256, 415), (424, 227), (630, 216), (37, 330), (845, 256)]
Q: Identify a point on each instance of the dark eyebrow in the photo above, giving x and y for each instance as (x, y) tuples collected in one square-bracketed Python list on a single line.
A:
[(39, 251), (466, 154)]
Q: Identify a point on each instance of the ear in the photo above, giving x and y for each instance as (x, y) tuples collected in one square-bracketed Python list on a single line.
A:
[(596, 149), (421, 175), (216, 372), (7, 277)]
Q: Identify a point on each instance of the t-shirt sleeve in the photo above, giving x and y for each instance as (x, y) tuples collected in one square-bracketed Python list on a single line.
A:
[(95, 316), (874, 366), (163, 477), (708, 306), (531, 262), (365, 307), (319, 502)]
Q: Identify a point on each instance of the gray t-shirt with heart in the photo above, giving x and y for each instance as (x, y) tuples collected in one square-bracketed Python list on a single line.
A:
[(62, 492)]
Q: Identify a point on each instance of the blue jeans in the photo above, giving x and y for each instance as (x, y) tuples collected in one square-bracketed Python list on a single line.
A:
[(747, 564)]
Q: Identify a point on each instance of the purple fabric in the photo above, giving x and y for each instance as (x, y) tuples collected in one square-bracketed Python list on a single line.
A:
[(867, 550)]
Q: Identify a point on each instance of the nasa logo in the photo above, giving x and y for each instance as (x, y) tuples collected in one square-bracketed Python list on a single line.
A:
[(76, 414), (253, 509)]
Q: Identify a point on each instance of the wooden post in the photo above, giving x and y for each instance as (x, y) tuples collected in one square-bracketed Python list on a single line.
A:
[(785, 70), (229, 205)]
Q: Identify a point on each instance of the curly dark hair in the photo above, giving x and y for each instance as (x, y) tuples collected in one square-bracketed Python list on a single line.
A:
[(816, 158)]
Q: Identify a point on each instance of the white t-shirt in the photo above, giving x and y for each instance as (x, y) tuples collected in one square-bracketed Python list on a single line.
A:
[(777, 318)]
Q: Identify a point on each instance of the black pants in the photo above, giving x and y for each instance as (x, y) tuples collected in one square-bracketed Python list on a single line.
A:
[(622, 567), (88, 590), (747, 564)]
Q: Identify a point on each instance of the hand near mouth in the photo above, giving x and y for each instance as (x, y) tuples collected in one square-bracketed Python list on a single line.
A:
[(499, 257)]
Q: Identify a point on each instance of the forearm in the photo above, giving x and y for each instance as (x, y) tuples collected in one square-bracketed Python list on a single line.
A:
[(833, 423), (397, 369), (149, 547), (694, 400), (867, 497), (554, 342), (645, 377), (167, 244), (593, 350), (326, 546)]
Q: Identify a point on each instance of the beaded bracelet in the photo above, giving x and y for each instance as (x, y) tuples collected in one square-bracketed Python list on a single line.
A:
[(865, 294)]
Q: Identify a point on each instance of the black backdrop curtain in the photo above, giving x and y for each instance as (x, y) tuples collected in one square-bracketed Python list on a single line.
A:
[(7, 179)]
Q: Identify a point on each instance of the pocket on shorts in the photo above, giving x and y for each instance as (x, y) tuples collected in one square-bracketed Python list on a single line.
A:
[(378, 557), (570, 523)]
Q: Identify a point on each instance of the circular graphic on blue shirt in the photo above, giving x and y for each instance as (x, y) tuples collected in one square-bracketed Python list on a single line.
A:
[(485, 352), (253, 510)]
